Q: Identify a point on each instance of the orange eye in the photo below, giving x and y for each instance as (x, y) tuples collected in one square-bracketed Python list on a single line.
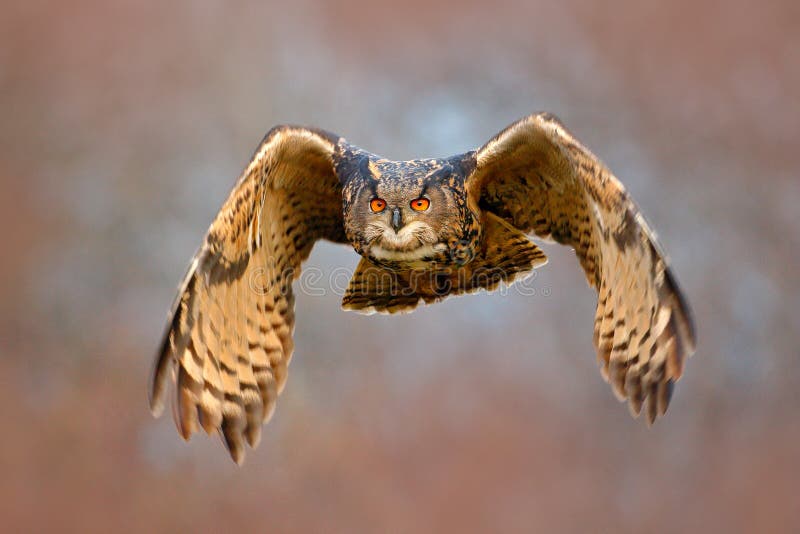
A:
[(420, 204), (377, 205)]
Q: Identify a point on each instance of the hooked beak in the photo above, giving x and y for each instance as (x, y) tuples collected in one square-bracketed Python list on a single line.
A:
[(397, 221)]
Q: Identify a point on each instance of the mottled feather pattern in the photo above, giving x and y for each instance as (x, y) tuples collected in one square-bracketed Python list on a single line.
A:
[(228, 342), (230, 339), (504, 255), (537, 176)]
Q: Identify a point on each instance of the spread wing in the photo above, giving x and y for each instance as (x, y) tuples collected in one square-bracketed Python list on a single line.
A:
[(542, 180), (229, 338)]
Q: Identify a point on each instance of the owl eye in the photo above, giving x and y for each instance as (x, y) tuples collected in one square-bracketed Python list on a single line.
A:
[(420, 204), (377, 205)]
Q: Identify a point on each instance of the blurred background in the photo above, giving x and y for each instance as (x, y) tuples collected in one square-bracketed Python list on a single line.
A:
[(124, 125)]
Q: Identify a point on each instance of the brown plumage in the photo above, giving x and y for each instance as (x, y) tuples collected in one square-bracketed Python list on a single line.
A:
[(426, 229)]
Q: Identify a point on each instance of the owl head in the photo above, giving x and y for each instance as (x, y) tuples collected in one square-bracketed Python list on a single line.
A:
[(410, 214)]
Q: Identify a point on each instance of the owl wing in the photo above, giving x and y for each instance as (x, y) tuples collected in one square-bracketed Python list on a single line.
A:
[(539, 178), (228, 341)]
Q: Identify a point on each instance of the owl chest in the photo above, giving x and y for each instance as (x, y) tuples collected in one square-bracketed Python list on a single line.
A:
[(436, 257)]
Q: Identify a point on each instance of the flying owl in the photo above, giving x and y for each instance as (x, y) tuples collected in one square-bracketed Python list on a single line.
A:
[(425, 229)]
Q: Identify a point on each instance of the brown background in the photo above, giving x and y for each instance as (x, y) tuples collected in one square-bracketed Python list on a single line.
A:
[(125, 123)]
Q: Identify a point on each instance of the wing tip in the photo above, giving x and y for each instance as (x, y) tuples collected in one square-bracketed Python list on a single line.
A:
[(156, 406), (232, 439), (684, 310), (158, 384)]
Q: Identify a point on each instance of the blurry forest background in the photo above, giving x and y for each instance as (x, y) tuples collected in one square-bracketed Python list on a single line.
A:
[(124, 125)]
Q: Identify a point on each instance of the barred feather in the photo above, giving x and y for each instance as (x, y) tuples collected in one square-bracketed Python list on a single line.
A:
[(229, 339), (537, 176)]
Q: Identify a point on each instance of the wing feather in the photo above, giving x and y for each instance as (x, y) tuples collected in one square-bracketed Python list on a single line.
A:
[(537, 176), (228, 342)]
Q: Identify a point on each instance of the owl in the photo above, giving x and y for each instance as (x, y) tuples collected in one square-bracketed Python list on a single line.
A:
[(425, 229)]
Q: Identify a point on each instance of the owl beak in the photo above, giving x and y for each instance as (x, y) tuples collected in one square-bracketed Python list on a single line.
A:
[(397, 221)]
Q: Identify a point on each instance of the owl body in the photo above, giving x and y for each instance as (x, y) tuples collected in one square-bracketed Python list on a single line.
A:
[(425, 229)]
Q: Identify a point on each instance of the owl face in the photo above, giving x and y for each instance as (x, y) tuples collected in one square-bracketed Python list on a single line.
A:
[(410, 214)]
